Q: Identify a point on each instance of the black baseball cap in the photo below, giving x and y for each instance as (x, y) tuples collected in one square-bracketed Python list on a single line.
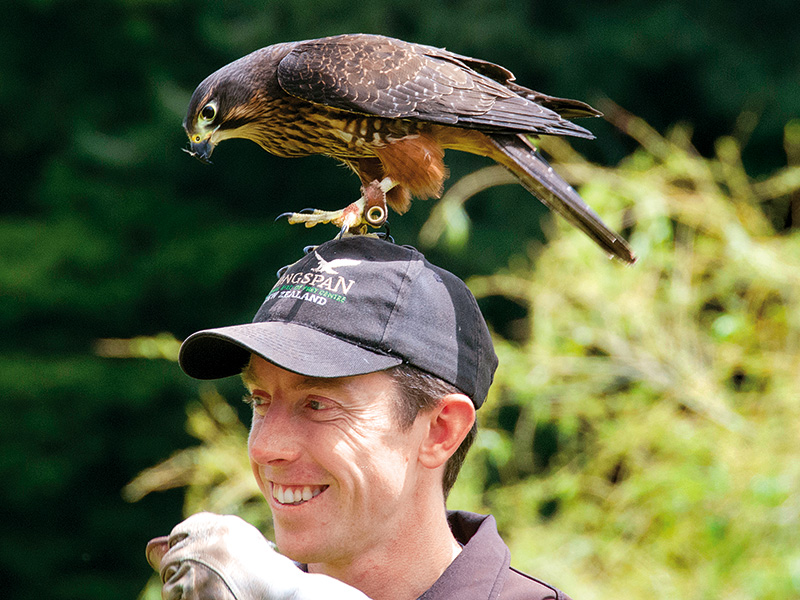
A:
[(353, 306)]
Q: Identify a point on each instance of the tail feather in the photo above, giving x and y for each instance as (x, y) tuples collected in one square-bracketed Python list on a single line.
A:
[(538, 177)]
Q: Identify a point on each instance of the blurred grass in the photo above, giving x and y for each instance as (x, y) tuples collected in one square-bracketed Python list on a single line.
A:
[(641, 436)]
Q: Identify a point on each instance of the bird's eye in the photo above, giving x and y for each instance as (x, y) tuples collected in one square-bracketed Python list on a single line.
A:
[(209, 112)]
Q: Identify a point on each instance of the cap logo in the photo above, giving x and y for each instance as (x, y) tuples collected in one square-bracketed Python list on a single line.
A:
[(318, 285), (330, 266)]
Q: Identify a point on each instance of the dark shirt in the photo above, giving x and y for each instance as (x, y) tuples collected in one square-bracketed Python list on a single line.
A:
[(482, 570)]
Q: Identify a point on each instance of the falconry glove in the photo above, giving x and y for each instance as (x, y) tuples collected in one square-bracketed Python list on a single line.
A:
[(222, 557)]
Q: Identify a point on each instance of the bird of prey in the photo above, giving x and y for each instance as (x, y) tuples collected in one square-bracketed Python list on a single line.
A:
[(389, 109)]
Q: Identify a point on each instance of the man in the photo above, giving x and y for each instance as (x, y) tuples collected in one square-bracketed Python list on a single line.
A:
[(364, 367)]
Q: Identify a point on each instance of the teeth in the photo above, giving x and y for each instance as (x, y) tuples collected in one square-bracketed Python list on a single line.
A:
[(296, 495)]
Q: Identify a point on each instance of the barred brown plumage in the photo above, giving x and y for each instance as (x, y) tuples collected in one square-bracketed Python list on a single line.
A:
[(388, 109)]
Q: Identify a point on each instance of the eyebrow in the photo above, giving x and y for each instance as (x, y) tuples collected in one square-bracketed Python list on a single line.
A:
[(247, 374), (249, 379)]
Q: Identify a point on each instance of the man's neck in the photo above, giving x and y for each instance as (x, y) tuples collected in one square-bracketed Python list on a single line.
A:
[(416, 557)]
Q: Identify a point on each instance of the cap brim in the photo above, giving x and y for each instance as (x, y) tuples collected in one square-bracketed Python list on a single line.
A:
[(222, 352)]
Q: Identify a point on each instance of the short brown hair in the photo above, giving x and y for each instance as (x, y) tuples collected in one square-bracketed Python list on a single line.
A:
[(420, 392)]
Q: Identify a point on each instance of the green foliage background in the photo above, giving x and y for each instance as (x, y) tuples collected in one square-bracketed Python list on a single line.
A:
[(642, 434)]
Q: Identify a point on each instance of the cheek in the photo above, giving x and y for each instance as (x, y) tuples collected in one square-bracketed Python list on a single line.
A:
[(379, 463), (253, 463), (400, 458)]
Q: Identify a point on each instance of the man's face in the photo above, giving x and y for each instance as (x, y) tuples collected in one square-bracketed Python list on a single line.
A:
[(338, 473)]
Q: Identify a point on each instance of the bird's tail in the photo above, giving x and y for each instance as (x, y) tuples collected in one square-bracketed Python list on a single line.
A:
[(521, 158)]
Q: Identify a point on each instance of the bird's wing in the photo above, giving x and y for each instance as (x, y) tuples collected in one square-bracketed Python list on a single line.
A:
[(391, 78), (565, 107)]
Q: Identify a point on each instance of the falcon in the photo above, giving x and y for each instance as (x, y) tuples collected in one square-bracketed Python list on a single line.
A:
[(388, 109)]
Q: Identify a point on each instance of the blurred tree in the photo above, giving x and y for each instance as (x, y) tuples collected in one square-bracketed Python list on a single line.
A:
[(640, 437)]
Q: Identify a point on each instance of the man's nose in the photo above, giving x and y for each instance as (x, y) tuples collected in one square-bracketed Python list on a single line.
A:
[(276, 436)]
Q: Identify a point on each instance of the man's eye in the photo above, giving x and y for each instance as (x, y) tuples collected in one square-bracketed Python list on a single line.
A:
[(317, 405), (255, 402)]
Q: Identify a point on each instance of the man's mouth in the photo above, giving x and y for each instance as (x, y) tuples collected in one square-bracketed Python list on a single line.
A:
[(293, 495)]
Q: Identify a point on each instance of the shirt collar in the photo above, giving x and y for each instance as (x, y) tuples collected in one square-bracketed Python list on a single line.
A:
[(479, 571)]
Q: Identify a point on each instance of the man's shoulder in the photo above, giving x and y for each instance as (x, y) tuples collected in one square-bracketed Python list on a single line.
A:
[(521, 586)]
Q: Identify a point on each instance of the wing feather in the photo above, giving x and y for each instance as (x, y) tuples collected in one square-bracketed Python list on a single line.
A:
[(391, 78)]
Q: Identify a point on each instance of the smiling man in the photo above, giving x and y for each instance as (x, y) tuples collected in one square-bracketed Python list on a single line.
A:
[(364, 367)]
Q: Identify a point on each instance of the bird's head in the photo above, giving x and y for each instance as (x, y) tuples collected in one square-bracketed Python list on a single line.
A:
[(201, 125), (222, 107), (230, 103)]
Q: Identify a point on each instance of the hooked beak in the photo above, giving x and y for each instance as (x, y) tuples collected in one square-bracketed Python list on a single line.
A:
[(201, 150)]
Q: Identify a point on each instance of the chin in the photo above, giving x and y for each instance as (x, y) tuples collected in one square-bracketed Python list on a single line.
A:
[(299, 550)]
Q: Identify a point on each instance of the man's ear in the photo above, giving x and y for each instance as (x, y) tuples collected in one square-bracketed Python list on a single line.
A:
[(448, 425)]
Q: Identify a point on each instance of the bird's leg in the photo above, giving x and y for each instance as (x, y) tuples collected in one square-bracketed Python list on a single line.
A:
[(375, 211), (370, 209)]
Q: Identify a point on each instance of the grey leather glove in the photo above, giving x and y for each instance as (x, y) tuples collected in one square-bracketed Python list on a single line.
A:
[(222, 557)]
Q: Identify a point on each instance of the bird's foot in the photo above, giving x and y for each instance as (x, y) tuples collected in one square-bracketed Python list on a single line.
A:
[(369, 210), (349, 217)]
